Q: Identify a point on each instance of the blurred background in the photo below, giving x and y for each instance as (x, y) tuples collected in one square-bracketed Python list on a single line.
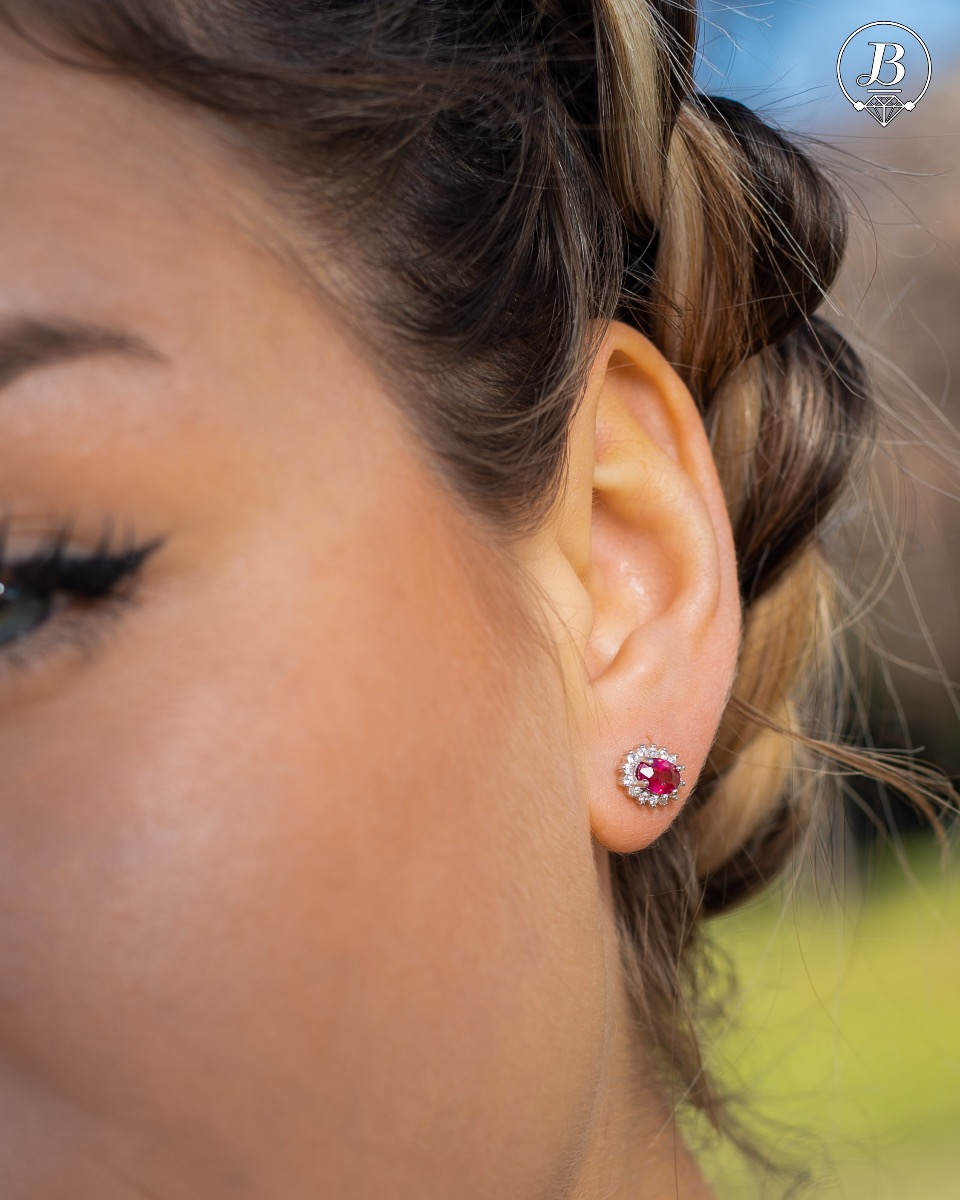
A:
[(844, 1036)]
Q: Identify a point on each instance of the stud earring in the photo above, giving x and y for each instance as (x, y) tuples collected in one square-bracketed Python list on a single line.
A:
[(652, 775)]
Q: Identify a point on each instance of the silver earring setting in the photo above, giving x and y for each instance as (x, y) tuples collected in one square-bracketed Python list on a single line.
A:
[(651, 775)]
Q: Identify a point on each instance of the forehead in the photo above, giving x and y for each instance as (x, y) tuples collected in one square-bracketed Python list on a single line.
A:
[(124, 208), (114, 195)]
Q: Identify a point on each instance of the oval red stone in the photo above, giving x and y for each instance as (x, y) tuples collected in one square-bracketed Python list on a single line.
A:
[(661, 775)]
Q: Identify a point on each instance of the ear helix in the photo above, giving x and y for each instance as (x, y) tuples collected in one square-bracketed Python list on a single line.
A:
[(651, 775)]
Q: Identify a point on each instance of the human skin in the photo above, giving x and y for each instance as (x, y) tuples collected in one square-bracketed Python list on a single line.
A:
[(303, 883)]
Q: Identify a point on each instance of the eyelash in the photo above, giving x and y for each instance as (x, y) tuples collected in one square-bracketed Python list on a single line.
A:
[(101, 585)]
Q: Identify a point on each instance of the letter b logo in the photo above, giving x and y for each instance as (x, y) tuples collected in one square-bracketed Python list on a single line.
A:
[(879, 60)]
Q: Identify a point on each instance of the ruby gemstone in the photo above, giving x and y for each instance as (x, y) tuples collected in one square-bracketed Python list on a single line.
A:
[(661, 775)]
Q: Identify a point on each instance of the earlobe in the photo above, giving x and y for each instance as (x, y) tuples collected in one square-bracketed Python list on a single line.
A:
[(644, 569)]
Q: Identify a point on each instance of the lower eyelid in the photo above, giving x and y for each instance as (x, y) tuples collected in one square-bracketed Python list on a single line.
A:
[(74, 627)]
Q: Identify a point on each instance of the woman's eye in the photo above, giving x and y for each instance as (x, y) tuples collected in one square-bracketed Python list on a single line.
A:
[(22, 611), (53, 600)]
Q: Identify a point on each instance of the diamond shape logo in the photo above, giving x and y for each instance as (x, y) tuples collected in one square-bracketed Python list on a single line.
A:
[(884, 107)]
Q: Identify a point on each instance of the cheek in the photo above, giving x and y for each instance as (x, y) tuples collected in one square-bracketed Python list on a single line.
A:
[(301, 895)]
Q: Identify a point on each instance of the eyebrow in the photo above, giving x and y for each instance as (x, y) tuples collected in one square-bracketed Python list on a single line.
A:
[(29, 342)]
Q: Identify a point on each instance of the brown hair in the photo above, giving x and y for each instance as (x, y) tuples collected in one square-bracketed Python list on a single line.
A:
[(487, 180)]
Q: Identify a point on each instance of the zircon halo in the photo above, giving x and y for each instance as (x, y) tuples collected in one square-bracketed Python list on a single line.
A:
[(652, 775)]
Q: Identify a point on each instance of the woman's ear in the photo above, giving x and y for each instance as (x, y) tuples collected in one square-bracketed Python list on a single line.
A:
[(639, 569)]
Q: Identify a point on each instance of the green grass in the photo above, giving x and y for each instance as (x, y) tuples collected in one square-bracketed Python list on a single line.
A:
[(846, 1034)]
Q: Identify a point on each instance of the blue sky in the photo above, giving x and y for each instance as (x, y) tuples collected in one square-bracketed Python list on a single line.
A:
[(781, 55)]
